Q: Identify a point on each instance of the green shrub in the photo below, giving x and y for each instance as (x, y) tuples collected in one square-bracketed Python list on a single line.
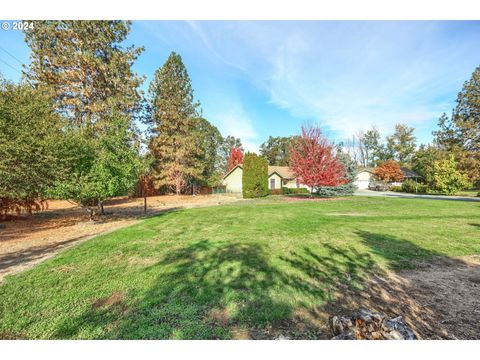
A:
[(478, 194), (447, 179), (288, 191), (411, 186), (396, 188), (255, 176)]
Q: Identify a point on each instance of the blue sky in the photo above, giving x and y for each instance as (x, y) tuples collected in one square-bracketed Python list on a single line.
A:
[(256, 79)]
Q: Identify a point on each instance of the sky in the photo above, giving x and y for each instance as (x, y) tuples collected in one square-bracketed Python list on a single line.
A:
[(260, 78)]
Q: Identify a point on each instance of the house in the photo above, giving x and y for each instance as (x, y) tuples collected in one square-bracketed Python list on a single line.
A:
[(365, 175), (278, 177)]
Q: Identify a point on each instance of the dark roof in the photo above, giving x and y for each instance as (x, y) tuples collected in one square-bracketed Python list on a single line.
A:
[(407, 173)]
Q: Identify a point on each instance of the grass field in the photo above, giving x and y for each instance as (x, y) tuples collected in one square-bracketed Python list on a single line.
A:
[(208, 272)]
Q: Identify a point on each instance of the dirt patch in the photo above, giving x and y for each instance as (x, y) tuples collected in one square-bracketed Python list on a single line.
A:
[(438, 300), (115, 299), (29, 239), (218, 317)]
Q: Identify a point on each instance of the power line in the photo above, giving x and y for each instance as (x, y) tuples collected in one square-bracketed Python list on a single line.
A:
[(15, 69), (11, 55), (11, 67)]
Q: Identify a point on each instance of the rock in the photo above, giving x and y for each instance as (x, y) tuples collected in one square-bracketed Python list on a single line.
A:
[(282, 337), (364, 324), (3, 226)]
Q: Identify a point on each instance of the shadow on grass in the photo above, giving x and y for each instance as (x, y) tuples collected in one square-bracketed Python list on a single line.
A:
[(214, 290)]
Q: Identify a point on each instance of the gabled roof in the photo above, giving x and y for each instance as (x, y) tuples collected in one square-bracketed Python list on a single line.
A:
[(285, 172), (233, 169), (367, 169), (409, 173)]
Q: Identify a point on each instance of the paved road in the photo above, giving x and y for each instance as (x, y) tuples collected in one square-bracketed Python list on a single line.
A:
[(414, 196)]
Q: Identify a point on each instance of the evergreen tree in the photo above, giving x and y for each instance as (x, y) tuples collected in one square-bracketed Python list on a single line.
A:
[(172, 120), (85, 67), (351, 173), (209, 141), (255, 176)]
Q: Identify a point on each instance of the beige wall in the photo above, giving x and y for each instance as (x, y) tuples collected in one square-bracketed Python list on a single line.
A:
[(278, 181), (233, 181), (364, 175)]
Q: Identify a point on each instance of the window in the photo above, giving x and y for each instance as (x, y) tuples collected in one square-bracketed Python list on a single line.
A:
[(272, 184)]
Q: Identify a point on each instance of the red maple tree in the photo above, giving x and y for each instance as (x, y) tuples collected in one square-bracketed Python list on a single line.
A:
[(236, 157), (313, 160), (389, 171)]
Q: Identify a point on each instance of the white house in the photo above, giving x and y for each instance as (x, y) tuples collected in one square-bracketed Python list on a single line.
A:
[(278, 177), (365, 175)]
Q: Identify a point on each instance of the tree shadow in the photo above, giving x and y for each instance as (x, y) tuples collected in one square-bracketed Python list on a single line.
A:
[(475, 225), (216, 290), (213, 290)]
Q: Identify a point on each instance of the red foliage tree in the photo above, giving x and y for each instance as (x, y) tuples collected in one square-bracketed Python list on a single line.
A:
[(313, 161), (389, 171), (236, 157)]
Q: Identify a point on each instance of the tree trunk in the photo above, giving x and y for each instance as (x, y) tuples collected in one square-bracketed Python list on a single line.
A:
[(145, 205), (102, 212)]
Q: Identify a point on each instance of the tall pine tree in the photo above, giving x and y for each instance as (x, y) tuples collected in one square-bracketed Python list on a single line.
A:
[(86, 68), (172, 119)]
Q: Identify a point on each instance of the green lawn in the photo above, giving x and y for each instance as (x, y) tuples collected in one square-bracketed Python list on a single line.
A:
[(201, 273)]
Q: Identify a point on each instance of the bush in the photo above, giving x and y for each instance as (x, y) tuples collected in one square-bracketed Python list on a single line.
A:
[(396, 188), (275, 192), (478, 194), (292, 191), (410, 186), (447, 179), (255, 176)]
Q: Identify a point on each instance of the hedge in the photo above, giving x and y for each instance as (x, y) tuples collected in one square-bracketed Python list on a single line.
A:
[(287, 191)]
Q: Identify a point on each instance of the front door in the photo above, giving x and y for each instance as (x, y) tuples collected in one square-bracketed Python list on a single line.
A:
[(272, 184)]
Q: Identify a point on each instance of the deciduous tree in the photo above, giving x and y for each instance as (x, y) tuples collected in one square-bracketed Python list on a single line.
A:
[(277, 150), (313, 160), (236, 158), (401, 144), (389, 171), (30, 138), (460, 134), (446, 178)]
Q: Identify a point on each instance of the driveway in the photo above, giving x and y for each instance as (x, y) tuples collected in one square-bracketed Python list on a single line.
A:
[(362, 192)]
